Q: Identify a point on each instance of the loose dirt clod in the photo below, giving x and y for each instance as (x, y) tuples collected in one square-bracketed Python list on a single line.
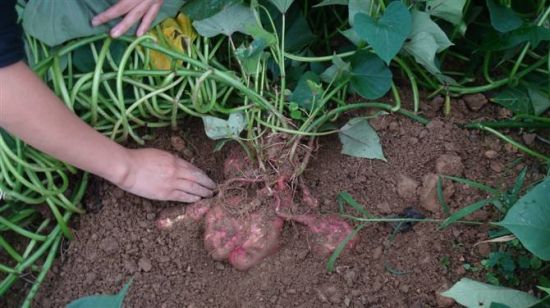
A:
[(428, 192), (475, 101), (449, 164), (406, 188)]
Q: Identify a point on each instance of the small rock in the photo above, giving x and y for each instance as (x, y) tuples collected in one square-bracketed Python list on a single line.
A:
[(449, 164), (273, 299), (504, 113), (150, 216), (377, 252), (413, 140), (423, 133), (347, 301), (384, 207), (528, 138), (404, 288), (291, 291), (144, 264), (406, 188), (177, 143), (437, 103), (109, 245), (490, 154), (496, 166), (484, 249), (428, 192), (130, 266), (435, 124), (510, 148), (220, 266), (443, 301), (394, 125), (475, 101), (349, 277)]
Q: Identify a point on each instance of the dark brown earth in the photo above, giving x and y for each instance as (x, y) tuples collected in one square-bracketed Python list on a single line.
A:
[(117, 240)]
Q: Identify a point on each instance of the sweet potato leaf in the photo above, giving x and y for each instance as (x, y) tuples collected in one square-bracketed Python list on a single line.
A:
[(55, 22), (359, 139), (104, 301), (387, 34), (370, 77), (528, 220), (217, 128), (450, 11), (235, 17), (471, 293), (503, 19)]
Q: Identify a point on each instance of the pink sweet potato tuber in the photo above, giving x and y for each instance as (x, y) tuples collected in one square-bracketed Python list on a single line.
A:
[(245, 241), (327, 232), (262, 240)]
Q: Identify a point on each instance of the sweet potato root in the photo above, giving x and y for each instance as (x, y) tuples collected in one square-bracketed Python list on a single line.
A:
[(191, 213)]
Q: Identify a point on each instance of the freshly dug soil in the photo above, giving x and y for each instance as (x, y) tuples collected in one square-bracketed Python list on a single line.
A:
[(118, 240)]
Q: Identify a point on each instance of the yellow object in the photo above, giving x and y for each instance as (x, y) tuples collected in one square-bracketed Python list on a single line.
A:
[(177, 34)]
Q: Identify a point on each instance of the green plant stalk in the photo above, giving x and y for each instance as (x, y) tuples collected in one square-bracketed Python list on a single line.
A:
[(513, 142), (97, 73), (40, 278), (412, 79)]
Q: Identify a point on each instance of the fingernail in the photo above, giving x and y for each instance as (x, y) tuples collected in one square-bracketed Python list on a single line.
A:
[(115, 32), (139, 32), (95, 21)]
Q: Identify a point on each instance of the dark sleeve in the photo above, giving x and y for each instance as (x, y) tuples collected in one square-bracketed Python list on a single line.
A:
[(11, 42)]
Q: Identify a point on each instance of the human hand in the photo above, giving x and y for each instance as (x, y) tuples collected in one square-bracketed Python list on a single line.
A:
[(133, 10), (159, 175)]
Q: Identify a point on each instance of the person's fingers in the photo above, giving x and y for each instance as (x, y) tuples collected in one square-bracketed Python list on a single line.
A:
[(193, 188), (117, 10), (178, 195), (190, 172), (148, 19), (130, 19)]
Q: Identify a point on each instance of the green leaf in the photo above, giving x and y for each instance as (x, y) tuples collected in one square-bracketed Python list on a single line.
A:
[(514, 99), (55, 22), (463, 212), (421, 22), (282, 5), (234, 18), (387, 34), (338, 251), (532, 34), (304, 95), (359, 139), (503, 19), (201, 9), (104, 301), (338, 68), (346, 197), (449, 10), (471, 293), (217, 128), (331, 2), (539, 100), (358, 6), (370, 77), (529, 220)]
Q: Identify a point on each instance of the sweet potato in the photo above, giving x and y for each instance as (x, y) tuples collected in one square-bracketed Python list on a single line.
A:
[(262, 240), (327, 231), (182, 214), (223, 233)]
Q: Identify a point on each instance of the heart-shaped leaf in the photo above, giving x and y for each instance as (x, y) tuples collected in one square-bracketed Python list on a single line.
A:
[(217, 128), (201, 9), (503, 19), (105, 301), (282, 5), (386, 35), (528, 220), (370, 77), (359, 139), (358, 6), (471, 293), (449, 10), (304, 95), (233, 18), (421, 22)]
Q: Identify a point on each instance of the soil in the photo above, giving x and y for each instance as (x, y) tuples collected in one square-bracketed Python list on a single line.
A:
[(117, 239)]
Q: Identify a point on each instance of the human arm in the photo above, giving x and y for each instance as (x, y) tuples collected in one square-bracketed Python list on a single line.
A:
[(30, 111)]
